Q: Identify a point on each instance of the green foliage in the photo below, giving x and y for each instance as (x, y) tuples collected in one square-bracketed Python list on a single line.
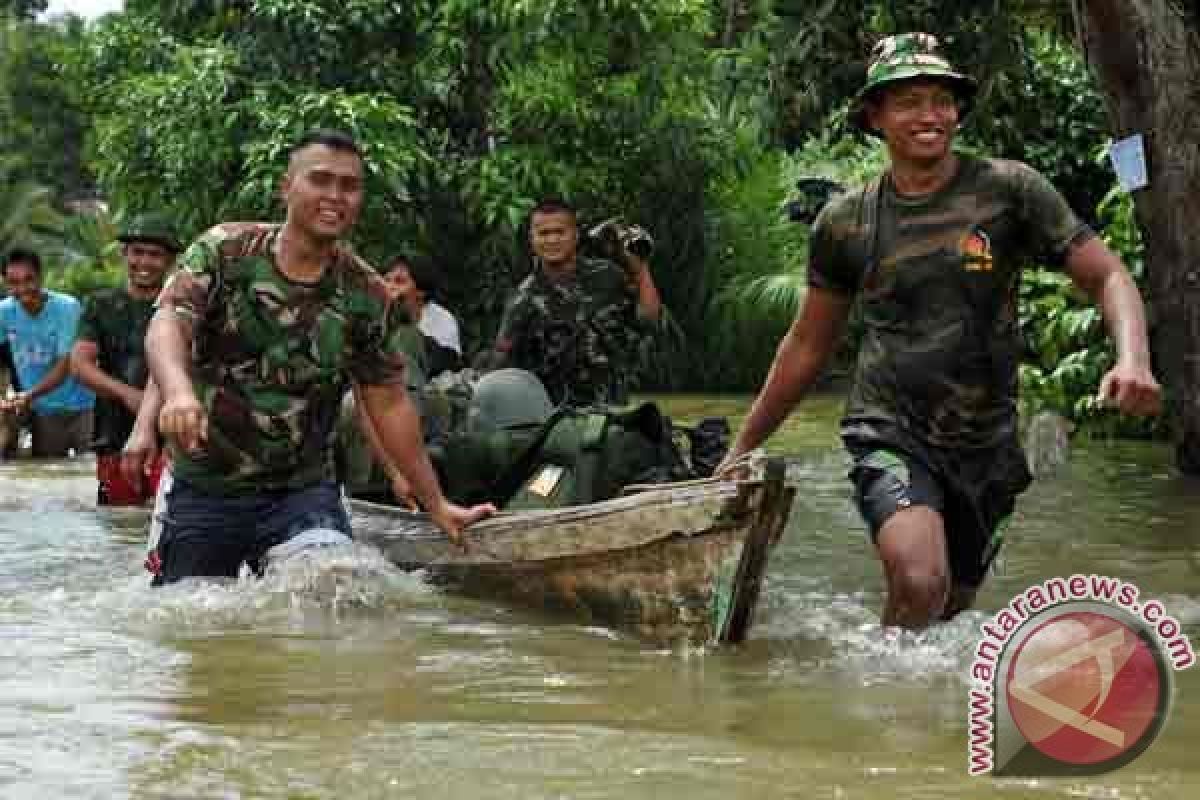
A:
[(819, 52), (27, 214), (1048, 114), (668, 113), (762, 255), (41, 115), (22, 9), (1069, 350), (468, 112), (88, 256)]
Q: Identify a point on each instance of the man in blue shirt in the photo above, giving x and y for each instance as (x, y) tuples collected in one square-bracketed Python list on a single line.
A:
[(39, 326)]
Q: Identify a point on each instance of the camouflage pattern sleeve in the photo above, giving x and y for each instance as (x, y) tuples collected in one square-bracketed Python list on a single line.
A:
[(187, 292), (1053, 227), (828, 266)]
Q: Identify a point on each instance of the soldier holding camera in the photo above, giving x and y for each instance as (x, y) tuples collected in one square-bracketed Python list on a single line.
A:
[(576, 322)]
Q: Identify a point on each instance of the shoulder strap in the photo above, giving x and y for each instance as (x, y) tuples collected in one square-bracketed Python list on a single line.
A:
[(506, 485), (871, 203)]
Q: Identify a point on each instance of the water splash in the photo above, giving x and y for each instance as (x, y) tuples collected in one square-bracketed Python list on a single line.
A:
[(332, 582)]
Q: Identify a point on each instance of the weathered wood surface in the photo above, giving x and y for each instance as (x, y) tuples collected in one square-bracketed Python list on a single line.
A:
[(771, 518), (667, 564), (411, 540)]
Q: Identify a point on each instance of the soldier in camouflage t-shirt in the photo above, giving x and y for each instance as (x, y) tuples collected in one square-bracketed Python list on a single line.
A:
[(576, 322), (109, 352), (257, 337), (933, 251)]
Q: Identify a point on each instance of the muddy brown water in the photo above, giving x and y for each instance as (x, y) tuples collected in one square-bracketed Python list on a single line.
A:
[(333, 682)]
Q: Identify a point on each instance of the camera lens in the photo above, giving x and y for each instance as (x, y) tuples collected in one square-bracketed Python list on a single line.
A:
[(641, 247)]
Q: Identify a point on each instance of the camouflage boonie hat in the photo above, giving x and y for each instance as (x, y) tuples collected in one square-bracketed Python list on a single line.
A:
[(154, 228), (905, 56)]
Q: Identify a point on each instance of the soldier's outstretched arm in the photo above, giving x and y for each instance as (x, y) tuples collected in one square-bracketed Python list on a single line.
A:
[(1130, 385), (168, 352), (401, 488), (798, 363), (399, 429)]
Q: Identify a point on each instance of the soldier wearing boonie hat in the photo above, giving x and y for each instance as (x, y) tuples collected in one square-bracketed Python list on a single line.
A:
[(109, 356), (933, 251), (154, 228), (902, 58)]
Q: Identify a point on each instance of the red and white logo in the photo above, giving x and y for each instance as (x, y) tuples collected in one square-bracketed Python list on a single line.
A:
[(1077, 687)]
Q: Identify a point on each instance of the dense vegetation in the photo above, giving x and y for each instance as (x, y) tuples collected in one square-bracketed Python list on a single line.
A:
[(692, 117)]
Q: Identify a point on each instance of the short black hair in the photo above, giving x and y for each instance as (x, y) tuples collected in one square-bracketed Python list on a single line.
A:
[(333, 139), (22, 255), (551, 205), (424, 273)]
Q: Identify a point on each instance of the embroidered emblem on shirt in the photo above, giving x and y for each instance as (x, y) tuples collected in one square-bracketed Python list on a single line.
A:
[(976, 251)]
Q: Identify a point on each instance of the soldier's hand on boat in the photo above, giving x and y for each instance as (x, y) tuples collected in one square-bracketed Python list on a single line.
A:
[(452, 519), (734, 467), (1132, 389), (184, 420)]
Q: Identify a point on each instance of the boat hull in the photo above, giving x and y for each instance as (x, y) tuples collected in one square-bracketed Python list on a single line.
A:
[(678, 563)]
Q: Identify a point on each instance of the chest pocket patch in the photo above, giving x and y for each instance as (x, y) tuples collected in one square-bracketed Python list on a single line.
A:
[(976, 250)]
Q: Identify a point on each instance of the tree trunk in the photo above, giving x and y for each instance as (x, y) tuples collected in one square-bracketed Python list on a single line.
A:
[(1146, 54)]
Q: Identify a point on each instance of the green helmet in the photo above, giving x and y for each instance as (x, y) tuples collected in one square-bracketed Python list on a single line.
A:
[(155, 228), (902, 57), (508, 398)]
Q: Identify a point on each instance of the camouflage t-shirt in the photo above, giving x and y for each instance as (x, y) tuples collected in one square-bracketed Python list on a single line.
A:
[(579, 335), (938, 364), (116, 321), (272, 357)]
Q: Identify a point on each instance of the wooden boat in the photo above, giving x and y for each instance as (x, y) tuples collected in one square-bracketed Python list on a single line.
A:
[(676, 562)]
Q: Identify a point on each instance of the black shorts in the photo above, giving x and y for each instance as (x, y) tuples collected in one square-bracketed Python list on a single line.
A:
[(974, 492)]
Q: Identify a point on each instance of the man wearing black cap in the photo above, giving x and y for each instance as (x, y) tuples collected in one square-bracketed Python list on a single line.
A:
[(933, 250), (109, 354)]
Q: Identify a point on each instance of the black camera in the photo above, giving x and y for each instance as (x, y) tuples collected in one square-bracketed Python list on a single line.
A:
[(812, 195), (614, 238)]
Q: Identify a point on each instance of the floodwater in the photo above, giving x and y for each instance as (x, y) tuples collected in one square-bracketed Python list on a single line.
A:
[(328, 682)]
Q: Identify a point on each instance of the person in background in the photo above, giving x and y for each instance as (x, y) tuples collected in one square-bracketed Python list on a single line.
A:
[(414, 283), (39, 326), (576, 322), (109, 354)]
